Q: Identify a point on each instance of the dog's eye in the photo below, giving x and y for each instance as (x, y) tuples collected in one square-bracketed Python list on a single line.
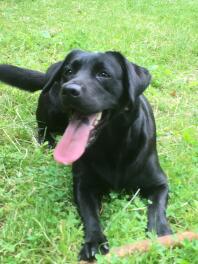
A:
[(103, 74), (67, 71)]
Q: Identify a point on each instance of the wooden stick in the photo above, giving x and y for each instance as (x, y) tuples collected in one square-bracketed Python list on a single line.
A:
[(145, 245)]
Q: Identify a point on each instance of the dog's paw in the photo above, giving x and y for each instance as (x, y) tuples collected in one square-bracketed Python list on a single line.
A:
[(93, 247), (161, 229), (164, 230), (51, 143)]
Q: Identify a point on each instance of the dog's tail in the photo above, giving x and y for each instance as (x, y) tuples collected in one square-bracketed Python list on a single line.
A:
[(24, 79)]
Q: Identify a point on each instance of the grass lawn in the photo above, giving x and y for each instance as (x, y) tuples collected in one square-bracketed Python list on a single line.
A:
[(38, 220)]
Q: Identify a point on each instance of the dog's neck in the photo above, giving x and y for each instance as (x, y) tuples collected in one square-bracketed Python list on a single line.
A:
[(131, 112)]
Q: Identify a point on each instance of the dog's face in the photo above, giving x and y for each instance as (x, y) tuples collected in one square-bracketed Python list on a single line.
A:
[(91, 85), (90, 82)]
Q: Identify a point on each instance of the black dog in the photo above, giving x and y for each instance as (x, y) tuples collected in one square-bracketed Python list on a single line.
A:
[(110, 137)]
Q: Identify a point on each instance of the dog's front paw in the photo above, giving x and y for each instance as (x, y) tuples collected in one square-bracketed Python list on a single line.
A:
[(161, 229), (51, 143), (164, 230), (92, 247)]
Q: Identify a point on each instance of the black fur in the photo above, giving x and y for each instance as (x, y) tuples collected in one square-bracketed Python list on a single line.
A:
[(124, 154), (24, 79)]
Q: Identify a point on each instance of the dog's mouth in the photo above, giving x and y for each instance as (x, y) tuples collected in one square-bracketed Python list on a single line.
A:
[(80, 133)]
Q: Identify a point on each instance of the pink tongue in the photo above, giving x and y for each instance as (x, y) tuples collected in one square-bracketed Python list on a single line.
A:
[(74, 141)]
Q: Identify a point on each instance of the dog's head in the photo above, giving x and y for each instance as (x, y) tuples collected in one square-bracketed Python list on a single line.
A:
[(92, 86)]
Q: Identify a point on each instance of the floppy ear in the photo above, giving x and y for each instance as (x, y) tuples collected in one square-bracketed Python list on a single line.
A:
[(135, 78), (138, 78), (57, 71)]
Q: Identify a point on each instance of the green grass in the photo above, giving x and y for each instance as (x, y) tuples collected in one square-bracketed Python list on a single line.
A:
[(38, 220)]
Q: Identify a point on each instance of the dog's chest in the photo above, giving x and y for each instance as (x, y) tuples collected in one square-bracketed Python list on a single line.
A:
[(108, 163), (114, 173), (113, 159)]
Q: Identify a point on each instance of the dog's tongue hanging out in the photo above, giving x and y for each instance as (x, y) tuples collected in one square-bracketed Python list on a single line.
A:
[(75, 139)]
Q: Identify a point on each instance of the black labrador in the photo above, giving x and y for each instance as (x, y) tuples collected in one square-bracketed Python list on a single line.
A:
[(95, 100)]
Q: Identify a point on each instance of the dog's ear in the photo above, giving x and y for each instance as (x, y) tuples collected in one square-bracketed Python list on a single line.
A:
[(138, 79), (135, 78), (55, 73)]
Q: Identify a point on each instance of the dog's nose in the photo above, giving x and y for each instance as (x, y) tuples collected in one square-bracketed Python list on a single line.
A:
[(73, 89)]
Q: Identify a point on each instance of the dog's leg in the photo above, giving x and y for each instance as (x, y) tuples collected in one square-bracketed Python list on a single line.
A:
[(157, 211), (88, 203), (44, 135)]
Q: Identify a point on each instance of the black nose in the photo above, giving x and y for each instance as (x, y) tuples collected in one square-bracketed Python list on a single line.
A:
[(73, 90)]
